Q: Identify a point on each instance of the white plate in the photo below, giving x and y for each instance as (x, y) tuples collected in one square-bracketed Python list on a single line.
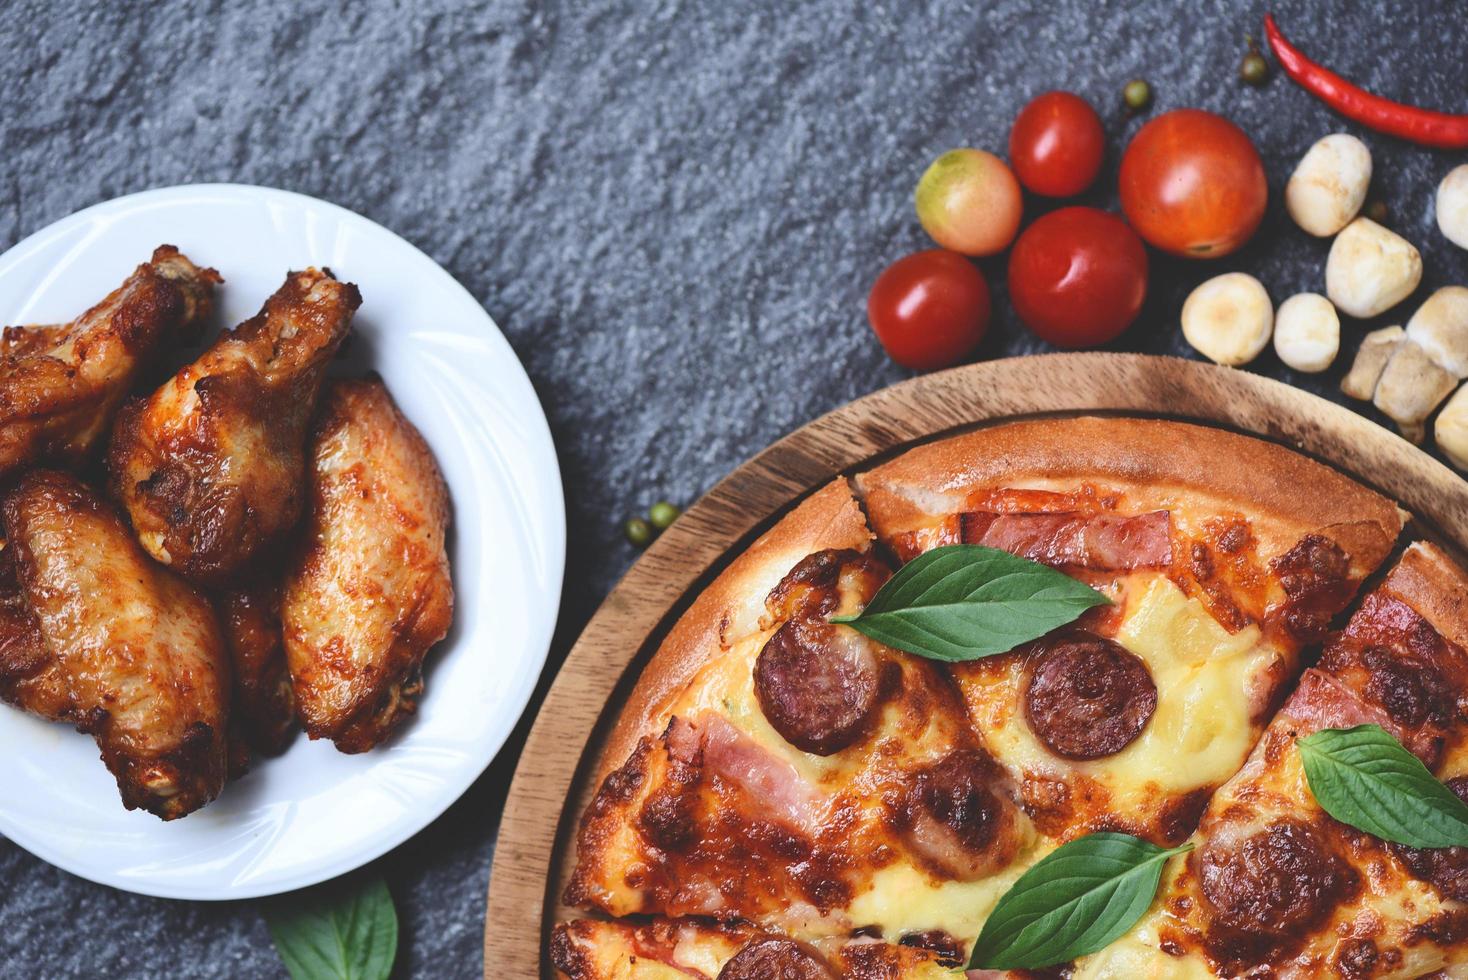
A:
[(315, 813)]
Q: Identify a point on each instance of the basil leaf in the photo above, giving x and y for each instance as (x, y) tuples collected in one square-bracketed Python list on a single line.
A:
[(965, 601), (1078, 899), (341, 931), (1363, 777)]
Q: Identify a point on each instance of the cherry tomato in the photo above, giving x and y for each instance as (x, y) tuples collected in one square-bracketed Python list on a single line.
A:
[(1077, 277), (1192, 184), (969, 201), (929, 309), (1056, 145)]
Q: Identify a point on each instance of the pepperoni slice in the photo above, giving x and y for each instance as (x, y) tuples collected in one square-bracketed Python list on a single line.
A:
[(819, 685), (774, 958), (1088, 696), (953, 822), (1445, 867), (1280, 881)]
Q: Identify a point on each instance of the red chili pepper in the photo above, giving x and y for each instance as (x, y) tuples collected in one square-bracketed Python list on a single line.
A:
[(1426, 126)]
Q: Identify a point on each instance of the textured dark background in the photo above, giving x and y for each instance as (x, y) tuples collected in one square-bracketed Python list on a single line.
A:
[(673, 210)]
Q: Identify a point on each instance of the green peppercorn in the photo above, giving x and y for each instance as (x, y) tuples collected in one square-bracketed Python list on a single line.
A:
[(638, 532), (1254, 70), (1137, 95), (662, 514), (1377, 211)]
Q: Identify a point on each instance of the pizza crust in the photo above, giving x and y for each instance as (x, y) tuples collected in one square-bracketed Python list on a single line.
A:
[(1429, 582), (1156, 463)]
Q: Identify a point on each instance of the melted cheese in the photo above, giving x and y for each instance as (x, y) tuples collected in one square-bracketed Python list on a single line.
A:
[(904, 900), (1135, 956), (1201, 731), (699, 950)]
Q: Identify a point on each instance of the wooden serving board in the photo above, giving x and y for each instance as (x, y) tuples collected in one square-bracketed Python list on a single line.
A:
[(551, 786)]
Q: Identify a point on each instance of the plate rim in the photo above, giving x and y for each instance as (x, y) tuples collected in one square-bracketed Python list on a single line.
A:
[(545, 799), (555, 538)]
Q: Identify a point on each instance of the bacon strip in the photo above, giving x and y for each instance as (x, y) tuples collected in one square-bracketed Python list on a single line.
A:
[(733, 756), (1102, 542), (1321, 701)]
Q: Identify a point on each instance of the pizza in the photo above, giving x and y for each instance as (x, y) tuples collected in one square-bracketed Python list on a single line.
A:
[(782, 795)]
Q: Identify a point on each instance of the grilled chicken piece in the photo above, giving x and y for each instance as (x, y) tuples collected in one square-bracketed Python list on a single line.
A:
[(139, 649), (211, 467), (60, 385), (30, 677), (263, 708), (370, 592)]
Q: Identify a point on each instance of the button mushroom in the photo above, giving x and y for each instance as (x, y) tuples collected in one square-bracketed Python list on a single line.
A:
[(1329, 185), (1440, 327), (1376, 349), (1229, 318), (1370, 269), (1451, 429), (1452, 205), (1307, 332), (1412, 385), (1407, 373)]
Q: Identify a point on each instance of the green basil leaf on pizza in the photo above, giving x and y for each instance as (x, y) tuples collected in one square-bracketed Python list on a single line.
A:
[(1364, 778), (966, 602), (1077, 900)]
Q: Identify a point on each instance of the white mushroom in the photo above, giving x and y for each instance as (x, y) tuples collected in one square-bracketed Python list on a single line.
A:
[(1440, 327), (1452, 205), (1370, 269), (1376, 349), (1412, 385), (1307, 332), (1451, 429), (1229, 318), (1329, 185)]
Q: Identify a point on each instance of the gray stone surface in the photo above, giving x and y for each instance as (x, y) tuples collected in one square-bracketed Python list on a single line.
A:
[(673, 210)]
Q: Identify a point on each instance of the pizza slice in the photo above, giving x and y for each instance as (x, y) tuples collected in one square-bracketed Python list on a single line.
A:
[(1277, 888), (1221, 566), (774, 768)]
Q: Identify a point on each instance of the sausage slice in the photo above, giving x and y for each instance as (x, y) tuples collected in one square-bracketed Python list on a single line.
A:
[(953, 822), (1088, 697), (774, 958), (1279, 881), (819, 685)]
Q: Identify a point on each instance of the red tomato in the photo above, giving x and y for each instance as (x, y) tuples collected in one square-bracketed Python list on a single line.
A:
[(1077, 277), (1192, 184), (1056, 145), (929, 309)]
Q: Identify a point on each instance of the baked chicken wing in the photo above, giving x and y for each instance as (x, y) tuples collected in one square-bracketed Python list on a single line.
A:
[(211, 467), (140, 650), (30, 677), (370, 592), (263, 707), (60, 385)]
